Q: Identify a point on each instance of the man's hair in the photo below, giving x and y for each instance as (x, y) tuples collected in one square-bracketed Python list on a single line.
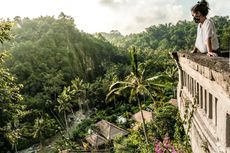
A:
[(202, 7)]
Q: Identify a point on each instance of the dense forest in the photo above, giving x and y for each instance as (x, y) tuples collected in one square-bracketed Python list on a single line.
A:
[(50, 71)]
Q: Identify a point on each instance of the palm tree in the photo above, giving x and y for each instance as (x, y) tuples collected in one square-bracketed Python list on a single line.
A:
[(13, 134), (14, 129), (64, 104), (136, 85), (170, 78), (79, 92), (40, 126), (70, 96)]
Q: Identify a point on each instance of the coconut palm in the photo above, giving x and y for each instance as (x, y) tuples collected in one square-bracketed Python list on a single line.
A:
[(13, 134), (136, 85), (70, 96), (40, 125), (64, 104)]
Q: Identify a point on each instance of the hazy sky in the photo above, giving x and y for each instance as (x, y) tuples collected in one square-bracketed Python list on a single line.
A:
[(127, 16)]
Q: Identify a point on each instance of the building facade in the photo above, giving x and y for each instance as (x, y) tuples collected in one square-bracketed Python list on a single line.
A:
[(204, 82)]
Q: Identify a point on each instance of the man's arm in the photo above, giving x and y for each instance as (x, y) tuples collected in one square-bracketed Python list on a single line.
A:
[(209, 47)]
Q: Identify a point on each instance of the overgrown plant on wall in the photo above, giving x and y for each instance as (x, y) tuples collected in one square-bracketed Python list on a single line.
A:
[(190, 108)]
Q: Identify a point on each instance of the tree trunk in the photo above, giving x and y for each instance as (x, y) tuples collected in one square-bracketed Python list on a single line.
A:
[(16, 149), (66, 122), (143, 119), (60, 122)]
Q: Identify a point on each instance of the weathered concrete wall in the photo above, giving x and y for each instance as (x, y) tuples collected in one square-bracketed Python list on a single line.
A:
[(207, 81)]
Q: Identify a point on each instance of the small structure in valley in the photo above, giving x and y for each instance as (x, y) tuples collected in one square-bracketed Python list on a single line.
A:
[(173, 102), (106, 131), (148, 116), (96, 140), (109, 130)]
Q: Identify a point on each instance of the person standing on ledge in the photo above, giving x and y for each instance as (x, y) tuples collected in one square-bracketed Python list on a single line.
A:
[(206, 39)]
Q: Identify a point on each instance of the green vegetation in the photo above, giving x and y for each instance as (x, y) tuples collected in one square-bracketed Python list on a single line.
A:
[(180, 36), (50, 71)]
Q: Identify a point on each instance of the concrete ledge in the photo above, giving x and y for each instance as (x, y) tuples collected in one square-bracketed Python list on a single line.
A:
[(219, 64), (213, 68)]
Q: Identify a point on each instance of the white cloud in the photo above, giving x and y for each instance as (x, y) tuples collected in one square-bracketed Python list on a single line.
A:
[(11, 8), (136, 15), (127, 16), (220, 7)]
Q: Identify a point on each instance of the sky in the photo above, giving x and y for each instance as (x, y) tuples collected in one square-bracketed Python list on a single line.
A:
[(126, 16)]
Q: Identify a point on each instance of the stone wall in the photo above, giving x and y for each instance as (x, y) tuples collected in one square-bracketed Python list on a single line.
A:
[(205, 81)]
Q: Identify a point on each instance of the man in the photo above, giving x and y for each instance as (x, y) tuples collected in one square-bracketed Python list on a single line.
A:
[(206, 40)]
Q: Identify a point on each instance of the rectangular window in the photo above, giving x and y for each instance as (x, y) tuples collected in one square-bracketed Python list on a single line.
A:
[(201, 97), (205, 101), (228, 130), (194, 88), (197, 93), (216, 110), (183, 78), (210, 106), (190, 90), (188, 82), (192, 85), (189, 85)]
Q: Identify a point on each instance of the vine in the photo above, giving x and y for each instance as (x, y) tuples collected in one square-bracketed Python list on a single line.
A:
[(188, 116), (204, 146)]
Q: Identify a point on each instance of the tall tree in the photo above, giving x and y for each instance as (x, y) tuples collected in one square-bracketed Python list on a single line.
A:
[(136, 85), (10, 98), (70, 97)]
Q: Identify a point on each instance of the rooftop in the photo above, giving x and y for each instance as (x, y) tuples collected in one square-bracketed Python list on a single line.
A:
[(96, 140), (173, 102), (147, 116), (109, 130)]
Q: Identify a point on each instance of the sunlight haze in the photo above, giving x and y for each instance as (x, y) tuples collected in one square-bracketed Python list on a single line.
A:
[(127, 16)]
